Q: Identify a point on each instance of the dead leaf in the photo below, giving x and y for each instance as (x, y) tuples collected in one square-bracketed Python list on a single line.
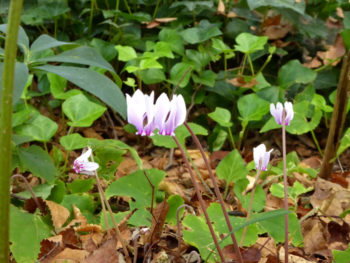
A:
[(313, 63), (292, 258), (158, 220), (59, 214), (340, 12), (31, 205), (315, 235), (249, 255), (333, 52), (221, 7), (49, 249), (106, 253), (91, 133), (69, 255), (240, 82), (158, 21)]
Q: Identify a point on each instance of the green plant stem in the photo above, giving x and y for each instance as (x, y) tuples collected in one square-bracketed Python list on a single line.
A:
[(241, 135), (251, 202), (217, 192), (6, 124), (231, 138), (329, 64), (91, 15), (241, 71), (251, 66), (127, 7), (225, 65), (200, 199), (285, 183), (156, 9), (267, 61), (316, 143), (116, 9)]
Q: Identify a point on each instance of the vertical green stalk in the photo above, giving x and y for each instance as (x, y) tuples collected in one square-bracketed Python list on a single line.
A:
[(156, 9), (251, 65), (316, 143), (91, 15), (6, 124)]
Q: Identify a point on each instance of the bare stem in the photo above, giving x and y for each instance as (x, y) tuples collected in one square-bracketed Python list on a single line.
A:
[(285, 182), (200, 199), (30, 189), (217, 192), (251, 202), (152, 186), (104, 200)]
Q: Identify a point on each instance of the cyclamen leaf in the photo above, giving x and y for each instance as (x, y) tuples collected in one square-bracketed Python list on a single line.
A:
[(231, 168), (26, 233)]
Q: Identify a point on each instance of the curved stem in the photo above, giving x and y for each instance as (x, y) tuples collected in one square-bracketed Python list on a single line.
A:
[(6, 125), (200, 199), (217, 192)]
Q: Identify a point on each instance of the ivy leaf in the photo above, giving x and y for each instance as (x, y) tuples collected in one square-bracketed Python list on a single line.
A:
[(221, 116), (248, 43), (26, 233)]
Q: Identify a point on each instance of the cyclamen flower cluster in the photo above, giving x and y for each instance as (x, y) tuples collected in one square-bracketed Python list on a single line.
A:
[(277, 112), (147, 116)]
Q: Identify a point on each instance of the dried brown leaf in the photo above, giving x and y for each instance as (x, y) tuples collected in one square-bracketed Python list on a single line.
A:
[(69, 255), (221, 7), (59, 214), (106, 253), (158, 220), (240, 82)]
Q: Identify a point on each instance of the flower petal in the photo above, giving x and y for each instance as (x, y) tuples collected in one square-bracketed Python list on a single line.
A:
[(266, 160), (84, 157), (180, 110), (162, 110), (90, 166), (258, 154), (288, 106)]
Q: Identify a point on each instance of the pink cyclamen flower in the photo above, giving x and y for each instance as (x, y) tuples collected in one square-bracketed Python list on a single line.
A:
[(169, 114), (277, 112), (140, 111), (83, 165), (261, 157)]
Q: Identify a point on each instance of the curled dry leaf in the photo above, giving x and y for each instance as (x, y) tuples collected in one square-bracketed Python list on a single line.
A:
[(292, 258), (240, 82), (158, 220), (333, 52), (158, 21), (221, 8), (107, 252), (59, 214), (69, 255)]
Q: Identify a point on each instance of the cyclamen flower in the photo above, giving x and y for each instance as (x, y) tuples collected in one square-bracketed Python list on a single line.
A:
[(140, 108), (277, 112), (83, 165), (261, 157), (169, 114), (146, 116)]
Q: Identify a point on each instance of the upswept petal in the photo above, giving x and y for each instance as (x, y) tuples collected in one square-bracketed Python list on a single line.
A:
[(84, 157), (149, 114), (180, 110), (258, 153), (266, 160), (169, 125), (288, 106), (136, 109), (162, 109)]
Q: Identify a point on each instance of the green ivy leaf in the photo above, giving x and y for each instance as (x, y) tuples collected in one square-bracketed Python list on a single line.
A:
[(73, 141), (126, 53), (26, 233), (344, 143), (81, 111), (231, 168), (298, 7), (252, 108), (38, 161), (295, 72), (341, 256), (137, 186), (174, 201), (81, 185), (221, 116), (248, 43), (40, 128)]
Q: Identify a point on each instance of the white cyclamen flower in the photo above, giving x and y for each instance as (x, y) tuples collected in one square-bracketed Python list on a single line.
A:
[(261, 157), (277, 112), (83, 165), (140, 111), (169, 114)]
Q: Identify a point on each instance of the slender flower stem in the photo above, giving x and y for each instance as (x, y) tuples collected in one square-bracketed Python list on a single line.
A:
[(285, 182), (200, 199), (105, 201), (8, 74), (251, 202), (217, 192), (316, 143)]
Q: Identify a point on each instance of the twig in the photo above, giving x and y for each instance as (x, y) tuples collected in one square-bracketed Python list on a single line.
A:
[(217, 191), (29, 188), (200, 199), (115, 135)]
